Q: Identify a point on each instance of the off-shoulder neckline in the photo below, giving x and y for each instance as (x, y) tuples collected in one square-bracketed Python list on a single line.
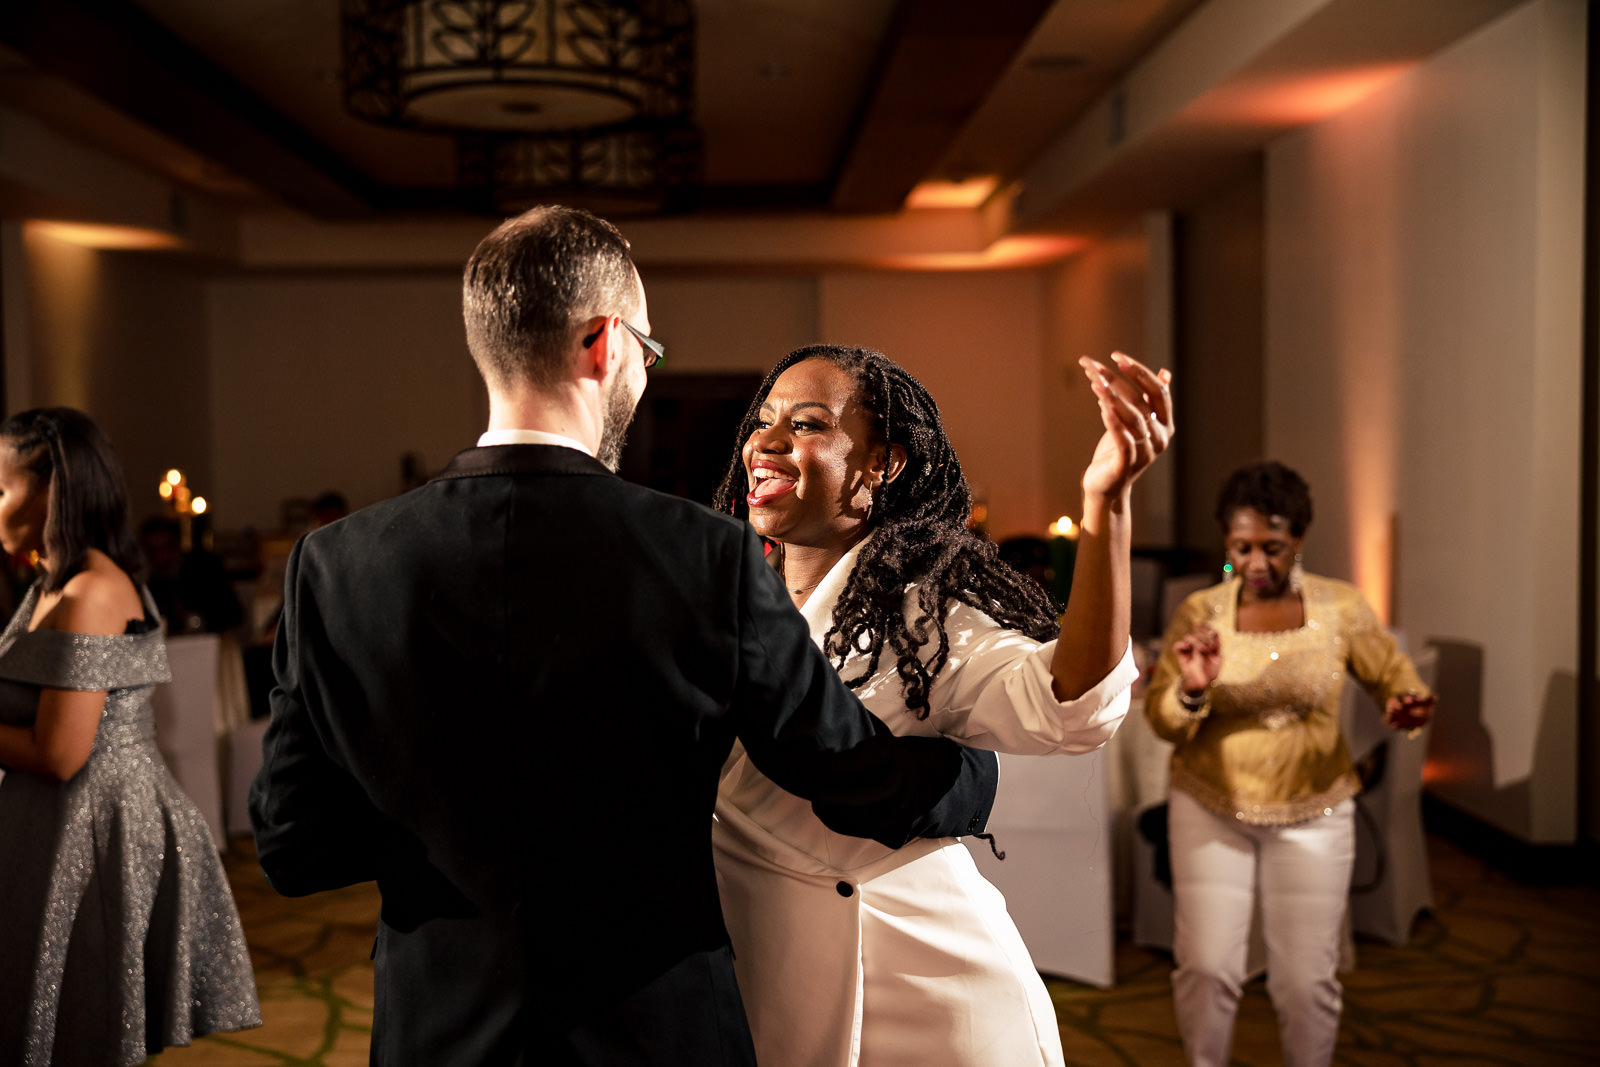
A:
[(152, 617)]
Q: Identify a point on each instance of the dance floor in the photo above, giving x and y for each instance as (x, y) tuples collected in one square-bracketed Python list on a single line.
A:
[(1501, 973)]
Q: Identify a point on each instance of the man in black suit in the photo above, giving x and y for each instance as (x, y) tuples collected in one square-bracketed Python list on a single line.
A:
[(507, 696)]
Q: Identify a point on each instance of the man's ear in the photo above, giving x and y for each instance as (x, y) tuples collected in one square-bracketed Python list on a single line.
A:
[(595, 358)]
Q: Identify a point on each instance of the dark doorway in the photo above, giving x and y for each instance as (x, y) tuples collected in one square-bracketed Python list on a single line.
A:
[(683, 432)]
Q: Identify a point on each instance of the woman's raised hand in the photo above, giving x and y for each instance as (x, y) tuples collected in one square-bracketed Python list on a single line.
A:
[(1199, 654), (1136, 409)]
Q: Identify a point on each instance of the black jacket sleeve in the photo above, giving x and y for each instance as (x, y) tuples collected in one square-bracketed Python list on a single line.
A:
[(808, 732), (315, 828)]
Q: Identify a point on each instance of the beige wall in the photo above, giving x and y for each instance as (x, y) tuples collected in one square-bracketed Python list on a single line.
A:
[(1422, 370), (723, 324), (1096, 304), (324, 381), (976, 341), (121, 336)]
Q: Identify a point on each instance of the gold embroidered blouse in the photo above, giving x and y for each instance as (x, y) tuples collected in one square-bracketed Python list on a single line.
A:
[(1268, 749)]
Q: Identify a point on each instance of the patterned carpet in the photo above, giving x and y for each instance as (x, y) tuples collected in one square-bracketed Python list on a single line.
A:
[(1501, 973), (313, 973)]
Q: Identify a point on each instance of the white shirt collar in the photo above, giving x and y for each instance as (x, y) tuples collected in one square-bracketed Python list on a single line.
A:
[(490, 438)]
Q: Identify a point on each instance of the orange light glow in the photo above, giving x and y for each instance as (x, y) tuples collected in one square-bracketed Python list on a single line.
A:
[(1290, 102), (198, 505), (968, 193), (1006, 252), (165, 490), (174, 477), (86, 235), (1063, 527)]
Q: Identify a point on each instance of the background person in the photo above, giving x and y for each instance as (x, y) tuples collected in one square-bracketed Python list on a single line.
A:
[(192, 589), (1247, 689), (118, 934), (849, 951)]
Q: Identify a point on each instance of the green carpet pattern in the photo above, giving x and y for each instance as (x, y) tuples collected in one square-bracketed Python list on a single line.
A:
[(1500, 974)]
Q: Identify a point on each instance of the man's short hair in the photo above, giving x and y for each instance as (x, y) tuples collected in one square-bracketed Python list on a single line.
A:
[(534, 283)]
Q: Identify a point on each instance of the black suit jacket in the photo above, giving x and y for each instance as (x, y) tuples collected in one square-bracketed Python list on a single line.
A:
[(507, 696)]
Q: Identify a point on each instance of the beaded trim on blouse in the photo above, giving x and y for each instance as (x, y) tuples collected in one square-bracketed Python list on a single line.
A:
[(1283, 813)]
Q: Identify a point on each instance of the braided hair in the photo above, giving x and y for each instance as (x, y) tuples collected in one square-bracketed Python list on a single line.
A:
[(917, 532)]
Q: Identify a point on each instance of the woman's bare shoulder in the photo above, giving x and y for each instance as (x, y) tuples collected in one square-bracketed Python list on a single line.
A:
[(100, 599)]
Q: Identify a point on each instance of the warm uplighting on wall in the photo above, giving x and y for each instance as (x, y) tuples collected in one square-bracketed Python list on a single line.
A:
[(1292, 102), (1030, 251), (967, 193), (1372, 552), (110, 238)]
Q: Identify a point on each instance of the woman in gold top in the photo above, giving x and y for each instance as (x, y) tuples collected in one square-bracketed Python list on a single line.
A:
[(1247, 689)]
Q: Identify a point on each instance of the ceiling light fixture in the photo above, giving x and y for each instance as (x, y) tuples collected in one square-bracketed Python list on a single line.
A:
[(586, 100), (642, 166)]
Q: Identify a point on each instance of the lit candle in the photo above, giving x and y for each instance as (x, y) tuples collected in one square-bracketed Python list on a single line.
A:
[(1063, 556)]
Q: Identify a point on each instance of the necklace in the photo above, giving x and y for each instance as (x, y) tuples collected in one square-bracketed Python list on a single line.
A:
[(807, 589)]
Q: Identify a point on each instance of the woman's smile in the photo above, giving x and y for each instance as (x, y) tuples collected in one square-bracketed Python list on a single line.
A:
[(768, 482)]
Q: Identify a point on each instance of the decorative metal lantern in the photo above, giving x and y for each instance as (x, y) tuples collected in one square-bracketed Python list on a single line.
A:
[(518, 65), (642, 166)]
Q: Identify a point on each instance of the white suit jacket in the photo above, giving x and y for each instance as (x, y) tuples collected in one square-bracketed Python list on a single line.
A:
[(842, 944)]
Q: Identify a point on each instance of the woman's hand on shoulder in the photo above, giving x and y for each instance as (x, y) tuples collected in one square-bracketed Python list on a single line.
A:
[(1136, 410)]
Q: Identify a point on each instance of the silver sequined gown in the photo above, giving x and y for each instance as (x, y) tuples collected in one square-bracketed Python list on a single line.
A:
[(118, 933)]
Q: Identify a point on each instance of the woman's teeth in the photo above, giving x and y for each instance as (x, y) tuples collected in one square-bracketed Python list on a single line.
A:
[(768, 483)]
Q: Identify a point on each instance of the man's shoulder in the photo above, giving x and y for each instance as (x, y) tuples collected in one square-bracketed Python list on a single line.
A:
[(677, 509), (640, 507), (366, 520)]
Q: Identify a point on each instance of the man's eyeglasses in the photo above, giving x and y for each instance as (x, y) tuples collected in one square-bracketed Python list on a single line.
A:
[(654, 351)]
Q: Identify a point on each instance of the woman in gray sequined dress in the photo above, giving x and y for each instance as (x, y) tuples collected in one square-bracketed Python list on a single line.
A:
[(118, 934)]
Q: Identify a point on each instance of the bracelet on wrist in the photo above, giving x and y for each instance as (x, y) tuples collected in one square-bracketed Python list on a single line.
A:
[(1195, 705)]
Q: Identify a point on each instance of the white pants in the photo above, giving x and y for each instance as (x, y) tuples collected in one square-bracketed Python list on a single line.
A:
[(1303, 874)]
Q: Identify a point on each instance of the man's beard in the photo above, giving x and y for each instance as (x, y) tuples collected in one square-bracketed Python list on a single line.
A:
[(614, 426)]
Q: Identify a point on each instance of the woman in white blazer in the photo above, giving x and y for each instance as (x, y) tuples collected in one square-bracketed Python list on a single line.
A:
[(848, 952)]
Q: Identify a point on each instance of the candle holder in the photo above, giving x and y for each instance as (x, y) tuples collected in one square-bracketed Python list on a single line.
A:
[(183, 504), (1063, 557)]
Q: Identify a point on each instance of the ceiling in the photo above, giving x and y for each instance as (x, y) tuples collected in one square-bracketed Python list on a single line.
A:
[(840, 105), (821, 120)]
